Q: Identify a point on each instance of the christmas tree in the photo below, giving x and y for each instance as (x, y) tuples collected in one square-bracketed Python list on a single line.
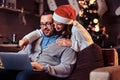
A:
[(89, 18)]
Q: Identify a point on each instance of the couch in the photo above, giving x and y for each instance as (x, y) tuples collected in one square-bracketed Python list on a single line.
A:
[(92, 61), (111, 71), (95, 63), (88, 59)]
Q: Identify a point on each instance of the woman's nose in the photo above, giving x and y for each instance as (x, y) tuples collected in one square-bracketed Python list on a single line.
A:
[(54, 24)]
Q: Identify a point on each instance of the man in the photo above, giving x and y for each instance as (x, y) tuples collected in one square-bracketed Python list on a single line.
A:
[(46, 55)]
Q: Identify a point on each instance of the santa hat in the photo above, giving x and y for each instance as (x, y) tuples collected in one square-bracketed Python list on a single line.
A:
[(65, 14)]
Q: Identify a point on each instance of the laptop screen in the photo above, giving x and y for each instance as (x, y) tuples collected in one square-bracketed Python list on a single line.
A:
[(15, 61)]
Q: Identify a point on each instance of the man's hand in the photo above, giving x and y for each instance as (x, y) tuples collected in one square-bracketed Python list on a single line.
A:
[(23, 43), (37, 66), (64, 42)]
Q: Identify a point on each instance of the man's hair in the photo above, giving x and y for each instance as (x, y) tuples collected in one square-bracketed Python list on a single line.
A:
[(47, 12)]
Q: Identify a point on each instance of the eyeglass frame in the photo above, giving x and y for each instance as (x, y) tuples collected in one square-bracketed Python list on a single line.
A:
[(47, 24)]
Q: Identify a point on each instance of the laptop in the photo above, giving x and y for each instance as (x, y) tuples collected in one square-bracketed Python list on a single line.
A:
[(15, 61)]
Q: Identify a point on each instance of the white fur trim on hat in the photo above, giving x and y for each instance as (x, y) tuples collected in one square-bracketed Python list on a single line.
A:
[(61, 19)]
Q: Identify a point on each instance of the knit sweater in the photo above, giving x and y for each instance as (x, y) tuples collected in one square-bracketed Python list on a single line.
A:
[(57, 60)]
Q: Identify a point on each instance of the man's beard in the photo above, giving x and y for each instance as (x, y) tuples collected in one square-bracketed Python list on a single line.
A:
[(49, 33)]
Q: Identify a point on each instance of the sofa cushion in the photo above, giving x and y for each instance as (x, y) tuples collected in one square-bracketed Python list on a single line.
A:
[(87, 60), (106, 73)]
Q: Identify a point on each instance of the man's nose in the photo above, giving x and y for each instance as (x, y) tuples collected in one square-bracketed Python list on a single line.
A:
[(45, 27)]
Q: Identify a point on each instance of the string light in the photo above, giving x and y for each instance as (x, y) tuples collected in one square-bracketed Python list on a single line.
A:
[(95, 20), (91, 2), (97, 28)]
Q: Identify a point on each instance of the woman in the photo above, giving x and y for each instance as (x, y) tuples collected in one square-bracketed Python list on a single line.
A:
[(80, 38)]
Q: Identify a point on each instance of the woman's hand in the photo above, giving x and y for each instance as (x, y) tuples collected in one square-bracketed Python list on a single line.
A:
[(64, 42), (37, 66)]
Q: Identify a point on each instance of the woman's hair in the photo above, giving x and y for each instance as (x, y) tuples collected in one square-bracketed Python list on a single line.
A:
[(67, 31)]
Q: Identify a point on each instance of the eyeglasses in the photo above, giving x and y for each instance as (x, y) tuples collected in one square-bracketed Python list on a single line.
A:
[(47, 24)]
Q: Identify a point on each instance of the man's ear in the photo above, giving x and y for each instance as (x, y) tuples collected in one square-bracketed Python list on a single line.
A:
[(117, 11)]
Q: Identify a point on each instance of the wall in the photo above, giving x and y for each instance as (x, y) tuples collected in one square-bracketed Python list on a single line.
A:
[(12, 23), (112, 22)]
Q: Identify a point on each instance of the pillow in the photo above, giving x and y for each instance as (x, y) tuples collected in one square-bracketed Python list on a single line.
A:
[(87, 60)]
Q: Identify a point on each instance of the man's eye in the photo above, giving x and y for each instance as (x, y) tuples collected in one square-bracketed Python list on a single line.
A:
[(41, 23), (49, 23), (46, 24)]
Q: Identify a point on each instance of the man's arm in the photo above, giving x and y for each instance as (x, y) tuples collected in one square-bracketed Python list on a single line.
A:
[(29, 38)]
